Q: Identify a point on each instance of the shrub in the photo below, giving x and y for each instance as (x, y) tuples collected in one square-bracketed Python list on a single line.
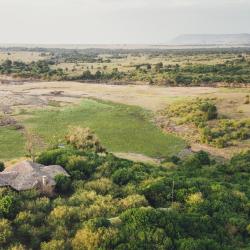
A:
[(203, 157), (1, 166), (63, 184), (84, 139), (194, 199), (5, 231), (53, 245), (7, 206), (79, 167), (50, 157), (122, 176)]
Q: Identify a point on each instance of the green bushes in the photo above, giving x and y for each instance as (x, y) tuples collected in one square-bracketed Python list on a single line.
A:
[(76, 162), (1, 166), (197, 111), (191, 73), (40, 70), (220, 133), (63, 184), (226, 132), (6, 232), (7, 206), (119, 204)]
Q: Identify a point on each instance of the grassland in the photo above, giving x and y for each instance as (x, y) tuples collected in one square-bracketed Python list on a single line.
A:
[(121, 128), (11, 143)]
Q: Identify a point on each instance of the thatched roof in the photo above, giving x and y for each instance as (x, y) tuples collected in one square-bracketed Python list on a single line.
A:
[(28, 175)]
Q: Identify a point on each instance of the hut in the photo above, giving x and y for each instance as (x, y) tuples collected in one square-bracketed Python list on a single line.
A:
[(28, 175)]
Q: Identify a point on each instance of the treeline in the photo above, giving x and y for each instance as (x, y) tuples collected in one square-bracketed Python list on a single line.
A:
[(236, 71), (110, 203), (39, 70)]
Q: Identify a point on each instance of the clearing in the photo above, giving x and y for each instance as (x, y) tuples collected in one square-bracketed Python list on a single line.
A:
[(49, 107)]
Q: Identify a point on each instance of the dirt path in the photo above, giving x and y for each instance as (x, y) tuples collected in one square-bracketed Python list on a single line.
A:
[(138, 158)]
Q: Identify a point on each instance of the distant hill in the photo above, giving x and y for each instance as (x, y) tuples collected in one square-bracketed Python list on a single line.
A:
[(212, 39)]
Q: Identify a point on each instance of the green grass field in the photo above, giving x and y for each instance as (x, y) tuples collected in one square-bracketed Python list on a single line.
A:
[(11, 143), (120, 128)]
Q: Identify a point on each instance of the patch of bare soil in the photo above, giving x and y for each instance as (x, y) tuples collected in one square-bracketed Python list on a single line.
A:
[(149, 97), (138, 158)]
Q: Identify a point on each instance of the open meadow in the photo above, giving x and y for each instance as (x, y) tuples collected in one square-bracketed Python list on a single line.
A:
[(123, 116)]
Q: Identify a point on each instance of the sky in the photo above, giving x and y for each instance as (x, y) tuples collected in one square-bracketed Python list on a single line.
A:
[(118, 21)]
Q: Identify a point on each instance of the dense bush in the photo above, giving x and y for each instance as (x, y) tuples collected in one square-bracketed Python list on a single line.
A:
[(1, 166), (197, 111), (39, 70), (219, 133), (119, 204), (63, 184)]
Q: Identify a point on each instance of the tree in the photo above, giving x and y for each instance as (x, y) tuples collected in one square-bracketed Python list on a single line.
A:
[(5, 232), (1, 166), (247, 99), (158, 66), (203, 157), (63, 184), (84, 139), (53, 245), (100, 238), (7, 206), (33, 145)]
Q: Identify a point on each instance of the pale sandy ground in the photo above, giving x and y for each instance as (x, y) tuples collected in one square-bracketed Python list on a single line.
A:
[(149, 97)]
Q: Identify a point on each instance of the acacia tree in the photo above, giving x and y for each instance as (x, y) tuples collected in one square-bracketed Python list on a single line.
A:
[(84, 139), (34, 145)]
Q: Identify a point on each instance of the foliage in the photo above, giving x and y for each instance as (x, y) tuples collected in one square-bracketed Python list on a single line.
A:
[(197, 111), (226, 132), (1, 166), (167, 67), (217, 131), (39, 70), (63, 184), (83, 138), (118, 204), (5, 231)]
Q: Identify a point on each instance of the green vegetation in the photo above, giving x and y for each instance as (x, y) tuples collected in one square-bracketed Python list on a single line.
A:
[(197, 111), (121, 128), (1, 166), (160, 67), (11, 143), (38, 70), (110, 203), (226, 132), (217, 131)]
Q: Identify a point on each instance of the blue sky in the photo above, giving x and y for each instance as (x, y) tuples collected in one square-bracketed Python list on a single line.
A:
[(118, 21)]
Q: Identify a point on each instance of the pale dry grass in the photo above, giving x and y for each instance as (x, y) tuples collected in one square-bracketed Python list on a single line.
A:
[(24, 56), (149, 97)]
